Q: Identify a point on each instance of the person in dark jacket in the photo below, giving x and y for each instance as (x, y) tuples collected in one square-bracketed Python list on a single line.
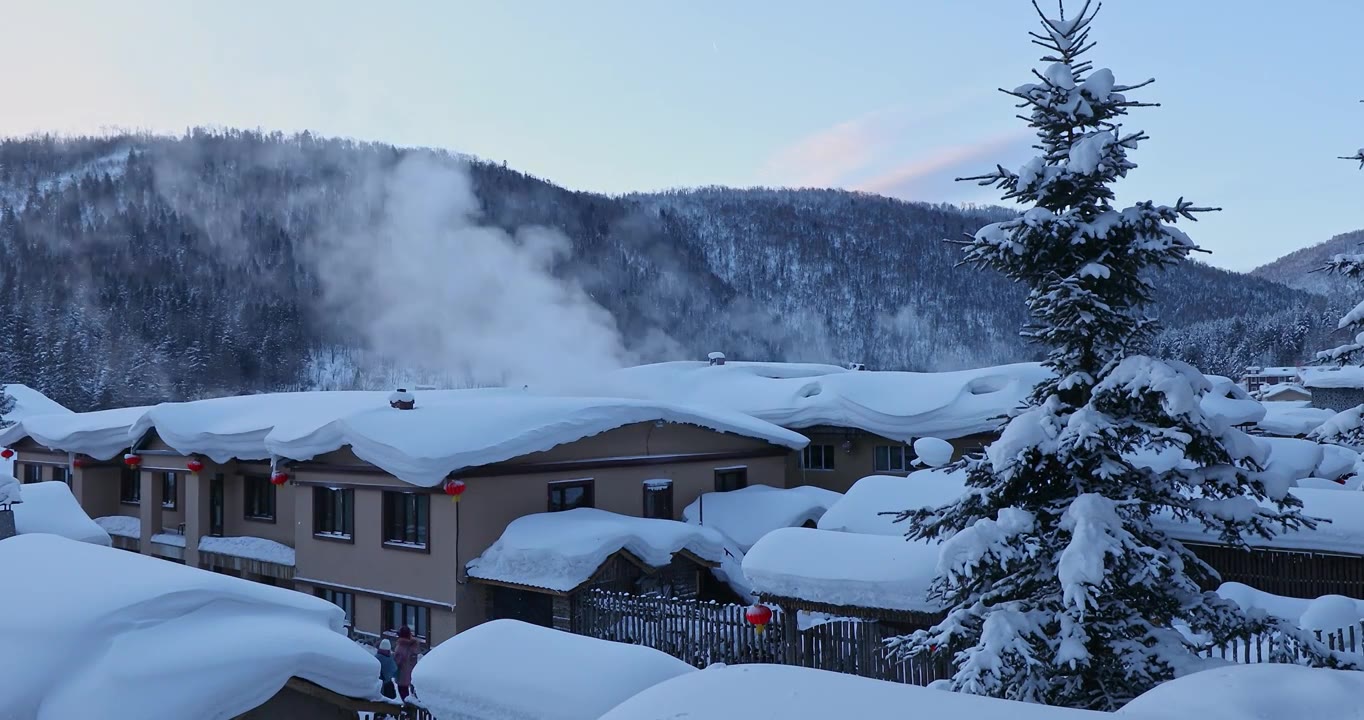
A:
[(388, 669), (406, 658)]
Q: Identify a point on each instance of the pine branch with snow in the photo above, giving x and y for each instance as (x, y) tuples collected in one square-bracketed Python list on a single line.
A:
[(1060, 588)]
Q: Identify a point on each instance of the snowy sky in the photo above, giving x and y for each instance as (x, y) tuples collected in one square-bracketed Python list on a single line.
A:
[(616, 95)]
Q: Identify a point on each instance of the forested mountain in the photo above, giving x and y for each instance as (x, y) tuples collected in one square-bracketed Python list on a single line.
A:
[(1301, 269), (135, 269)]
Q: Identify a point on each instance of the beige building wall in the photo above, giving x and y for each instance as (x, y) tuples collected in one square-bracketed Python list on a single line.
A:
[(854, 456)]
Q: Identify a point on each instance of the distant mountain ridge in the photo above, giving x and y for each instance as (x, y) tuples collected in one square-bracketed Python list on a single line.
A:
[(139, 268), (1299, 269)]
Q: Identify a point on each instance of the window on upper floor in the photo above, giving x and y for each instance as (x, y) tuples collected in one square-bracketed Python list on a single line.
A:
[(407, 518), (334, 512), (260, 498)]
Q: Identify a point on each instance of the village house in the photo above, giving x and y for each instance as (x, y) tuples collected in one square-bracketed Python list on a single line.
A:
[(377, 502), (1258, 378), (1335, 388)]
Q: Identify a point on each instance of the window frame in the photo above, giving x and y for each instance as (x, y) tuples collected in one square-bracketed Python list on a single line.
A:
[(32, 469), (891, 451), (173, 478), (826, 456), (261, 482), (421, 617), (589, 486), (65, 474), (331, 595), (738, 471), (654, 489), (130, 478), (422, 511), (323, 497)]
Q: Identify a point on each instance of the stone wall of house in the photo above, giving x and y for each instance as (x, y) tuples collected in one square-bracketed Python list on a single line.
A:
[(1338, 399)]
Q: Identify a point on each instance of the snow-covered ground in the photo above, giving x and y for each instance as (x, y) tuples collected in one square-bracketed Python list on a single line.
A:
[(509, 670), (747, 514), (49, 507), (103, 634), (1327, 613), (1254, 692)]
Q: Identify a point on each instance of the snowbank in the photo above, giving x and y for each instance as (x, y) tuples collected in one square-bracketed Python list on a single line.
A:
[(251, 548), (102, 637), (505, 670), (101, 434), (121, 526), (896, 405), (1326, 613), (844, 569), (10, 490), (785, 692), (749, 513), (49, 507), (1291, 419), (561, 550), (1231, 402), (1258, 691), (860, 509), (1350, 376)]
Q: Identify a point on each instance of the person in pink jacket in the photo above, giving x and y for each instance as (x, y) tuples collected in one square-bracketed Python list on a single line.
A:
[(405, 655)]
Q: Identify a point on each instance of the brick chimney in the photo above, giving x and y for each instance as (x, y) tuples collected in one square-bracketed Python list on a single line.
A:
[(402, 399)]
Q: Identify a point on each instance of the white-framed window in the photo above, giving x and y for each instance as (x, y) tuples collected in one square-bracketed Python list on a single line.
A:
[(817, 457), (890, 458)]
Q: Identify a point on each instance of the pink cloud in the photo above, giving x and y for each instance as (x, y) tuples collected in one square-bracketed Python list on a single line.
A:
[(933, 174), (825, 157)]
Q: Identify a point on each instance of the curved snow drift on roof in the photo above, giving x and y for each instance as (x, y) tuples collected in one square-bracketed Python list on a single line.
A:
[(49, 507), (103, 630), (29, 402), (861, 509), (448, 430), (896, 405), (510, 669), (746, 514)]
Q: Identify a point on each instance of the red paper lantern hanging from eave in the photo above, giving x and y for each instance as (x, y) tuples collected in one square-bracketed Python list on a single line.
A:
[(759, 616), (6, 453), (79, 462), (455, 489), (132, 460), (279, 477), (194, 465)]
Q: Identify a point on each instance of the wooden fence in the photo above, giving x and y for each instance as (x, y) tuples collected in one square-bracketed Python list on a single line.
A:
[(1291, 573), (1273, 648)]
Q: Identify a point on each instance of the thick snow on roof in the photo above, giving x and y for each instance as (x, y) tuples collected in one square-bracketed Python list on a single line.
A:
[(1344, 533), (1350, 376), (844, 569), (1228, 400), (49, 507), (787, 692), (448, 430), (101, 434), (251, 548), (102, 630), (1327, 613), (860, 509), (1293, 418), (896, 405), (561, 550), (510, 670), (746, 514), (121, 525), (1286, 390), (1261, 691), (29, 402), (1276, 372)]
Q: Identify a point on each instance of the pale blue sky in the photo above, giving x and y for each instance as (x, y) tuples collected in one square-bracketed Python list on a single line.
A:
[(895, 96)]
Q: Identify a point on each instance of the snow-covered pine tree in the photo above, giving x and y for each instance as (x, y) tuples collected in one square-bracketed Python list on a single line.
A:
[(6, 407), (1060, 587)]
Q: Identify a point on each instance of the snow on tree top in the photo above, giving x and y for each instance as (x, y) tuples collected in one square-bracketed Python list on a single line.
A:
[(123, 620), (511, 669)]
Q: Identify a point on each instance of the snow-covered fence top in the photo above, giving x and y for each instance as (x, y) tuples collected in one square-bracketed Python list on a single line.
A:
[(746, 514), (896, 405), (448, 430), (511, 669), (562, 550), (101, 630)]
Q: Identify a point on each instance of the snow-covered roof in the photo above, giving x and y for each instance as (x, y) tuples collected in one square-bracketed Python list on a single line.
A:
[(251, 548), (49, 507), (789, 692), (1230, 401), (29, 402), (860, 509), (510, 669), (849, 570), (102, 630), (1344, 533), (1282, 391), (1292, 418), (746, 514), (896, 405), (1275, 372), (448, 430), (561, 550), (1328, 613), (121, 526), (1272, 691), (1350, 376)]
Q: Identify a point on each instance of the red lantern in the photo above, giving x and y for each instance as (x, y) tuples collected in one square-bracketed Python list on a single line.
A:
[(759, 616), (455, 489), (195, 465), (6, 453), (279, 477), (1339, 481), (79, 462), (132, 460)]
